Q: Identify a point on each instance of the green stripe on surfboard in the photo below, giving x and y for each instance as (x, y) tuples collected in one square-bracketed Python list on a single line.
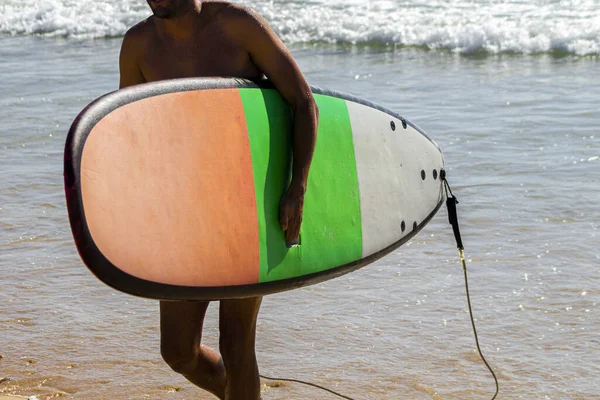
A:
[(331, 233)]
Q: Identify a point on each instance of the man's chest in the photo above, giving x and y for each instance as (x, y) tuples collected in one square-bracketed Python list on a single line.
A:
[(206, 57)]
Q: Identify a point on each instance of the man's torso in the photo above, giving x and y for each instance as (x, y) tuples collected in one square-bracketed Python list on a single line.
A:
[(212, 50)]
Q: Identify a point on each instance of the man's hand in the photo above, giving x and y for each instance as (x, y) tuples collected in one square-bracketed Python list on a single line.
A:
[(290, 216)]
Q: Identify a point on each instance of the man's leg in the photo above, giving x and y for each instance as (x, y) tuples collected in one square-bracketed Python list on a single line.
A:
[(237, 325), (180, 335)]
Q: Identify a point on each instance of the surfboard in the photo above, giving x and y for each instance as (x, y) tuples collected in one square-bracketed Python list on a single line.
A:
[(173, 188)]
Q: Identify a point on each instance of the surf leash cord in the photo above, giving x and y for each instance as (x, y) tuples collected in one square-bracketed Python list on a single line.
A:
[(307, 383), (451, 202)]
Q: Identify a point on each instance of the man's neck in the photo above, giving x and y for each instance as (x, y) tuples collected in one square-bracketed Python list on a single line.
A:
[(182, 26)]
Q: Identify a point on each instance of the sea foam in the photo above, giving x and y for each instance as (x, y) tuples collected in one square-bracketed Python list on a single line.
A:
[(463, 26)]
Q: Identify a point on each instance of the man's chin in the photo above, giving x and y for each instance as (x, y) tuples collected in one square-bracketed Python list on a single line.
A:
[(161, 13), (160, 8)]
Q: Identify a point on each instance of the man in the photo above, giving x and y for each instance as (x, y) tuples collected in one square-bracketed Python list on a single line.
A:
[(192, 38)]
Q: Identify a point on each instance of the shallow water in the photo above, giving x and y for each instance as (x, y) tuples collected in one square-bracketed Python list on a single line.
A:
[(520, 135)]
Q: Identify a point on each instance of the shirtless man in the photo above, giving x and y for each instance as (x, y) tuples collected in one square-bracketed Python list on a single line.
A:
[(192, 38)]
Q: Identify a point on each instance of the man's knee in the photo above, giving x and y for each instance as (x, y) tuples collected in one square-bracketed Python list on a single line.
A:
[(180, 332), (180, 360)]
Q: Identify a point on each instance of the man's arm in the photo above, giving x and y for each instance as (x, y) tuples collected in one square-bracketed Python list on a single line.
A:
[(270, 55), (129, 69)]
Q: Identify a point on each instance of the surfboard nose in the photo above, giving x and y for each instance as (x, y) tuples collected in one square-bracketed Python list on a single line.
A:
[(396, 164)]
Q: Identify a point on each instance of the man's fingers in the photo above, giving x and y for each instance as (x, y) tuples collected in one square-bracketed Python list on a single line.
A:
[(290, 219), (283, 218), (293, 230)]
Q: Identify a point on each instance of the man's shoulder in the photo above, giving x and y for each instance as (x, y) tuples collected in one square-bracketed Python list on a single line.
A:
[(237, 19), (140, 31), (135, 42), (228, 11)]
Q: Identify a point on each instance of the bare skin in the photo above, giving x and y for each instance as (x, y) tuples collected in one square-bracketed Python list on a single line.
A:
[(194, 38)]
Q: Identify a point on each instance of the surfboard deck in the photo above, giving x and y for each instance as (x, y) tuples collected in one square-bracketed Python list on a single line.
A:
[(173, 188)]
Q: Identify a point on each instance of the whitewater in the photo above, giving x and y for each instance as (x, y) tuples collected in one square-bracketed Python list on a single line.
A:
[(476, 26)]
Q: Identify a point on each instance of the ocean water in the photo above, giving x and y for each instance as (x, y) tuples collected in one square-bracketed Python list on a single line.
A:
[(508, 89), (464, 26)]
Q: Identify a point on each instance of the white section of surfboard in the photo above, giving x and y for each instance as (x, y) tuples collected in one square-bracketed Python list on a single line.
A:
[(389, 164)]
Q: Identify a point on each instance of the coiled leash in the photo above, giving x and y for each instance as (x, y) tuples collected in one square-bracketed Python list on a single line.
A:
[(451, 202)]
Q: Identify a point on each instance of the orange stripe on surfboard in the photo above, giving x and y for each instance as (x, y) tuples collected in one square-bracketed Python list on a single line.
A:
[(168, 193)]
